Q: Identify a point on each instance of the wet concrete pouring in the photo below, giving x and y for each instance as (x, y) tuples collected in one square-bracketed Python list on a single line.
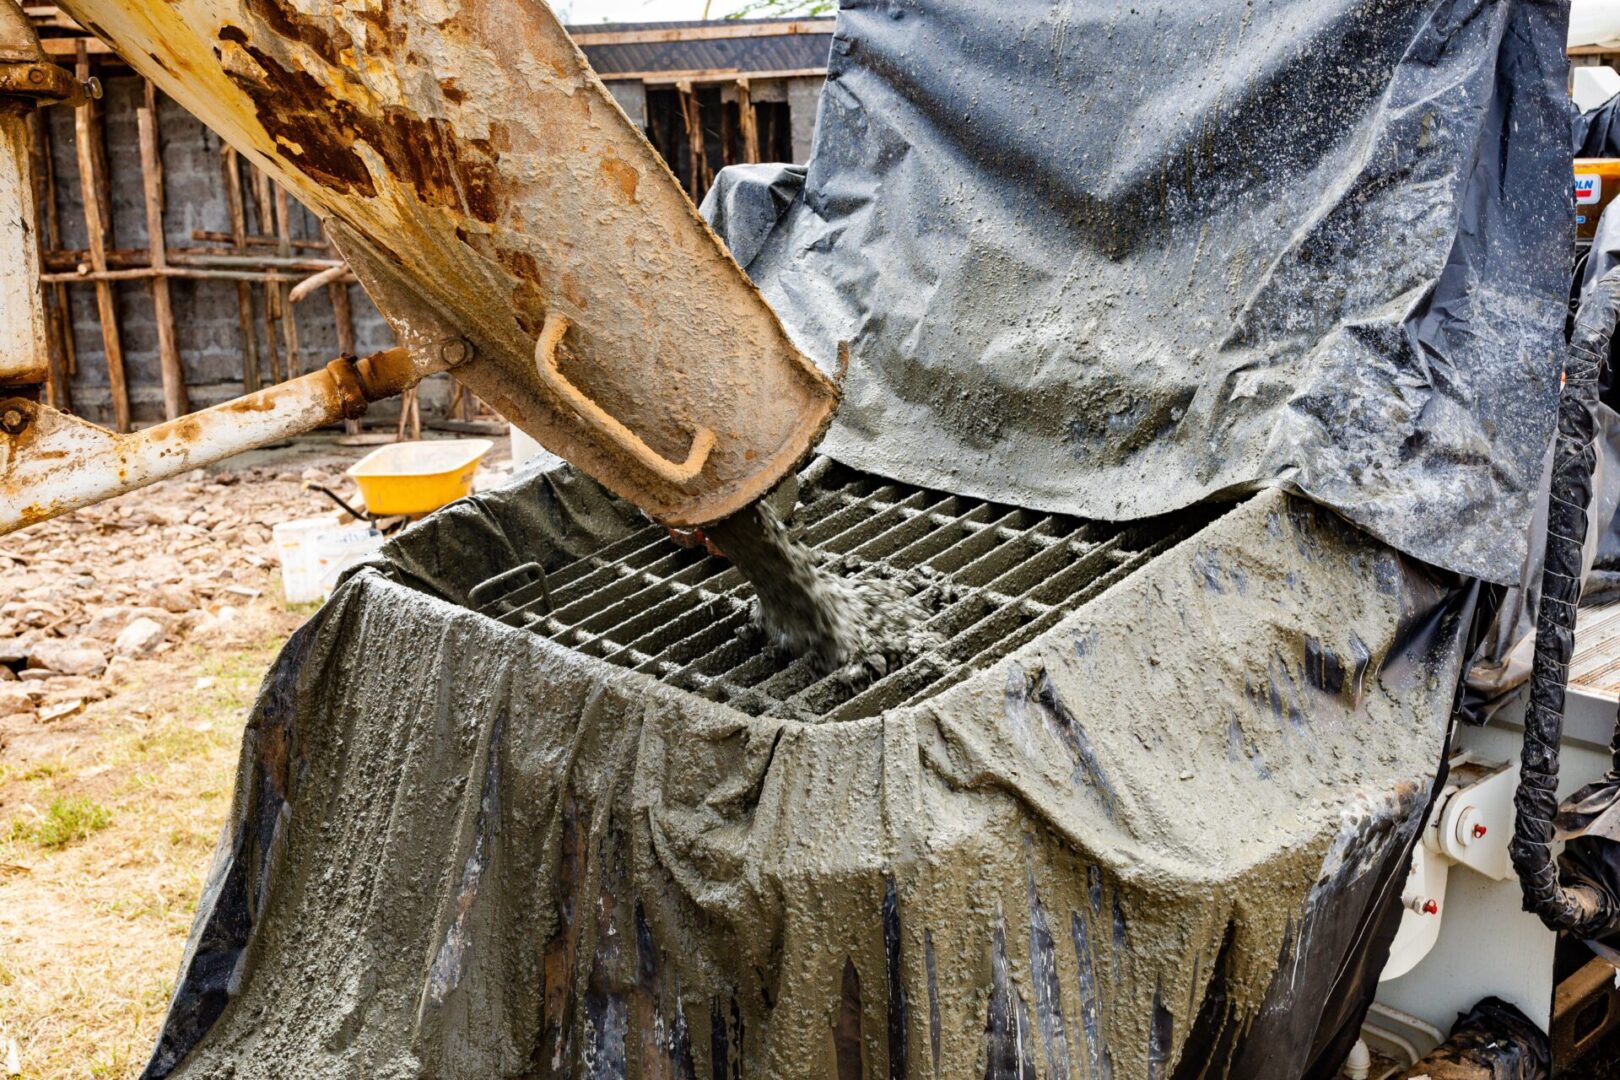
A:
[(806, 608)]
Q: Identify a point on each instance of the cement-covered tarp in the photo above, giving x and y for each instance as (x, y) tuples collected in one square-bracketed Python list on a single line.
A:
[(1165, 838), (1110, 259)]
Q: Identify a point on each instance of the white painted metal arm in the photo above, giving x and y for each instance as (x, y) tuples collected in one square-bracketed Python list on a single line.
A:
[(51, 463)]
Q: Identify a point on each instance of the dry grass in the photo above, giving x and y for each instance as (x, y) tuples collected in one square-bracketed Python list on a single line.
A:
[(103, 848)]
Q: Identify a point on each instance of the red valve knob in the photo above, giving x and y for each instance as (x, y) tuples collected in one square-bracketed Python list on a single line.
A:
[(1430, 907), (1479, 831)]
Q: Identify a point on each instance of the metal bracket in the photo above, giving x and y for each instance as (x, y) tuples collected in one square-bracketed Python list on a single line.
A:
[(27, 72)]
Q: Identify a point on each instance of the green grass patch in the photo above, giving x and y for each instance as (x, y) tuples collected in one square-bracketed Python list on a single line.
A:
[(67, 821), (39, 770)]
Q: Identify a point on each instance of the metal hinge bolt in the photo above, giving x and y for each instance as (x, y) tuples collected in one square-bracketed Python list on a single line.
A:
[(13, 421)]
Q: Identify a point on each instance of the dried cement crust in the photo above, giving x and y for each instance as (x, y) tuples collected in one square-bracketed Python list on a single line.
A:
[(461, 850)]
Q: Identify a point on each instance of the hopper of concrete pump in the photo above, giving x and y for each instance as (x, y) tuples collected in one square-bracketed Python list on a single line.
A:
[(483, 184)]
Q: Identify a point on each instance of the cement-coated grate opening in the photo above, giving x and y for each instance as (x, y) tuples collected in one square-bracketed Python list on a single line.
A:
[(993, 576)]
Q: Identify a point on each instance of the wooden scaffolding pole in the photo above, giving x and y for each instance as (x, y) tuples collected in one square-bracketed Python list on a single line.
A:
[(747, 122), (87, 133), (272, 294), (175, 404), (244, 292), (53, 237), (289, 312), (410, 415), (692, 113), (58, 387), (343, 318), (729, 131)]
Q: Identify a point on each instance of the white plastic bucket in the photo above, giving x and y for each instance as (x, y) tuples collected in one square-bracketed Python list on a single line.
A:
[(300, 567), (338, 549), (314, 551)]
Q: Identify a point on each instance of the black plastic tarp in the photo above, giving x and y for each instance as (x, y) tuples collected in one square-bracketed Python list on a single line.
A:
[(1596, 132), (1112, 259), (1164, 839)]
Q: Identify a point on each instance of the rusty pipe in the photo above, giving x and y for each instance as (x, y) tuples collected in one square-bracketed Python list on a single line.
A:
[(51, 463)]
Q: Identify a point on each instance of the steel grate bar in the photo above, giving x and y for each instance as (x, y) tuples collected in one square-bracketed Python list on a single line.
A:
[(826, 534), (994, 577), (757, 664)]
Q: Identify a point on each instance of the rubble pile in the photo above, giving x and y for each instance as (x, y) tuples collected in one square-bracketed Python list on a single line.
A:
[(174, 564)]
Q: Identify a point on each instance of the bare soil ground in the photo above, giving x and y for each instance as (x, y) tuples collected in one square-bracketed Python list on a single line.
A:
[(116, 771)]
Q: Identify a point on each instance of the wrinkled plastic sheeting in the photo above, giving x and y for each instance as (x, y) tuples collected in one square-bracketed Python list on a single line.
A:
[(1501, 664), (1596, 132), (1109, 259), (1588, 824), (1492, 1041), (1166, 838)]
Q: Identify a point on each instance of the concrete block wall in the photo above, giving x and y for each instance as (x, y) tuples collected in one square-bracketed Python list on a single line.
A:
[(804, 103), (207, 325)]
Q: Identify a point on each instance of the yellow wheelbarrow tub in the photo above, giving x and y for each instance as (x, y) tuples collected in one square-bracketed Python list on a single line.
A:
[(418, 477)]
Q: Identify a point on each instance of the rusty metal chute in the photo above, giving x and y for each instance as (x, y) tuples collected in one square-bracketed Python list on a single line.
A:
[(480, 179)]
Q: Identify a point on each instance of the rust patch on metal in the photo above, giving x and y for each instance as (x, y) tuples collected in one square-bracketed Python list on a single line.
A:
[(287, 22), (520, 263), (187, 429), (346, 384), (624, 175), (319, 129), (251, 403), (386, 373)]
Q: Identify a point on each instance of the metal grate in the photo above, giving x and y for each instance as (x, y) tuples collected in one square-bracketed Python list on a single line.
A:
[(993, 576)]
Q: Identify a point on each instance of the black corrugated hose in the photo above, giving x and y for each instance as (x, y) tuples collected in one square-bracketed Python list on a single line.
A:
[(1577, 907)]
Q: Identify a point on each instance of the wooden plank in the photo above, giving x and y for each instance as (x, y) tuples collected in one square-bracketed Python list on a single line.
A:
[(87, 131), (209, 236), (189, 256), (260, 190), (748, 121), (709, 75), (69, 46), (58, 385), (720, 31), (55, 19), (198, 273), (175, 404), (289, 313)]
